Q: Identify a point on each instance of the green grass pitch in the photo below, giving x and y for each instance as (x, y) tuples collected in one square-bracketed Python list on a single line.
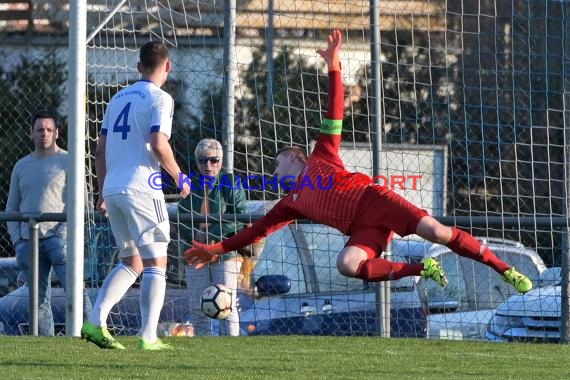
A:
[(284, 357)]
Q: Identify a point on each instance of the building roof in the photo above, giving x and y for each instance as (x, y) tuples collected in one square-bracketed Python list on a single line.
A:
[(206, 17)]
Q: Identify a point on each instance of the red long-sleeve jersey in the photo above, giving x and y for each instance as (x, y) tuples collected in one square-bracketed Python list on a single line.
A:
[(325, 192)]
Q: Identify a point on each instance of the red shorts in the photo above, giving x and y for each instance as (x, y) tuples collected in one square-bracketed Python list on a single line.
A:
[(382, 212)]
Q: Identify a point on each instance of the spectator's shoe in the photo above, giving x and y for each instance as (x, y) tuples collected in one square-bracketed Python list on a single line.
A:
[(157, 345), (518, 280), (99, 336), (433, 270)]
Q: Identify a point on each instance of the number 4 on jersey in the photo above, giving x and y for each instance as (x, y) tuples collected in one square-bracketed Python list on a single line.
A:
[(122, 122)]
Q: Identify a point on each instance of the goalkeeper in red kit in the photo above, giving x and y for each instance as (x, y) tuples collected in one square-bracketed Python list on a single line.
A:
[(368, 214)]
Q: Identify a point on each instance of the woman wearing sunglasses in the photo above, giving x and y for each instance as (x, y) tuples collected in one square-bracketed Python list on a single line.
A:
[(214, 193)]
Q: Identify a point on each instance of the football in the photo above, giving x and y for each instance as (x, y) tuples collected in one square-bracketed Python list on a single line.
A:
[(217, 301)]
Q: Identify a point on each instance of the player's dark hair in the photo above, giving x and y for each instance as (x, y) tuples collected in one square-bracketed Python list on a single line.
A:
[(153, 54), (296, 151), (45, 114)]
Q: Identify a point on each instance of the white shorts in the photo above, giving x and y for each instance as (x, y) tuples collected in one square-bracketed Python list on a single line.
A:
[(137, 221)]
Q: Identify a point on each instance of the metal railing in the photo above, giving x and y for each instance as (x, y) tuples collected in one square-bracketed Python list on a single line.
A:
[(34, 218)]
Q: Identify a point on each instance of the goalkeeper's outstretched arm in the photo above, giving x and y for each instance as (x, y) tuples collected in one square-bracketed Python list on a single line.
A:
[(329, 140)]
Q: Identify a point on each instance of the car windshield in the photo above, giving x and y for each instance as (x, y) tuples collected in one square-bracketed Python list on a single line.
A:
[(456, 289), (475, 286), (280, 257), (323, 245), (306, 254)]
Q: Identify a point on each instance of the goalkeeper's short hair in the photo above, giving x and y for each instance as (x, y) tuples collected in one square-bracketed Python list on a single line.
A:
[(296, 151)]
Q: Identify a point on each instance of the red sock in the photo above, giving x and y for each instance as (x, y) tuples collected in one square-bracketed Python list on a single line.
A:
[(374, 270), (466, 245)]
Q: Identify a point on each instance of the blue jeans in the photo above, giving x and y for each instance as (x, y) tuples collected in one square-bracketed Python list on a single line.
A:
[(52, 254)]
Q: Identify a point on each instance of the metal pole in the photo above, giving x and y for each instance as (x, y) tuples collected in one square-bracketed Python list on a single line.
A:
[(565, 264), (270, 38), (76, 161), (33, 275), (229, 64), (383, 295)]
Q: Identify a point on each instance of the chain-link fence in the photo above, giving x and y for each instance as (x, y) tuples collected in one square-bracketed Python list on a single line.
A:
[(483, 83)]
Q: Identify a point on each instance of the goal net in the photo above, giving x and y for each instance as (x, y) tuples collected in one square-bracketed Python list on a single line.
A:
[(470, 102), (470, 127)]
